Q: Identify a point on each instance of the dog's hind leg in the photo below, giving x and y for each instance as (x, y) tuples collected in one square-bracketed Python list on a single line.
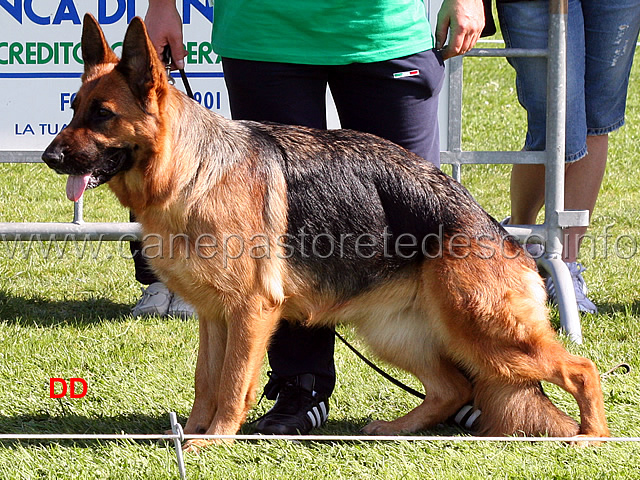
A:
[(514, 368), (538, 356), (512, 406), (446, 391), (498, 326), (579, 376)]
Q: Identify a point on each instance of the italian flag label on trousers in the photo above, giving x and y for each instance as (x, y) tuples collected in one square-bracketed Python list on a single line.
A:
[(410, 73)]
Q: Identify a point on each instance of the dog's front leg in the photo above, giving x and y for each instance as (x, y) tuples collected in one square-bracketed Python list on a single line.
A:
[(213, 340), (249, 329)]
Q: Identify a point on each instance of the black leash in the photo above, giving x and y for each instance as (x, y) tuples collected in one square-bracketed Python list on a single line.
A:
[(393, 380), (166, 58)]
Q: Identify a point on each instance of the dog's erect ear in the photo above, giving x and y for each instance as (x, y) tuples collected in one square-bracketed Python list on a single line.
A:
[(140, 63), (95, 49)]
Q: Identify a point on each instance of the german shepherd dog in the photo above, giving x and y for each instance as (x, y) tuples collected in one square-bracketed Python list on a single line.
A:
[(257, 222)]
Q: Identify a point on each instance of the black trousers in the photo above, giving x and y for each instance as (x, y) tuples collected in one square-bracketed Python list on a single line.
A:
[(395, 99)]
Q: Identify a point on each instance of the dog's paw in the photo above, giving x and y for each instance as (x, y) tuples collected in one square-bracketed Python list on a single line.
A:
[(593, 432), (195, 446), (380, 427), (582, 444)]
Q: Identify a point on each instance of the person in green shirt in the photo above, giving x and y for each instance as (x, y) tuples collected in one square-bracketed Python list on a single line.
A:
[(384, 67)]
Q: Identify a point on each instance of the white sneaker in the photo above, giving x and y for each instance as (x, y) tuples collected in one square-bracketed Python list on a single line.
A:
[(580, 287), (155, 300), (179, 308)]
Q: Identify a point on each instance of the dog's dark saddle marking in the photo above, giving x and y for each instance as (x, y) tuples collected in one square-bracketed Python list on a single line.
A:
[(360, 207)]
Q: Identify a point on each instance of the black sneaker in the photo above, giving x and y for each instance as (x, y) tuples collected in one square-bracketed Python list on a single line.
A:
[(297, 410)]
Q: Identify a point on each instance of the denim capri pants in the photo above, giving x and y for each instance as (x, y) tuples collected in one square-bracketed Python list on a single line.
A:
[(601, 41)]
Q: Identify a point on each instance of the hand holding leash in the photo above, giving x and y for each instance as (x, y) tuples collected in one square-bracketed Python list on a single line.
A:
[(164, 26), (166, 58)]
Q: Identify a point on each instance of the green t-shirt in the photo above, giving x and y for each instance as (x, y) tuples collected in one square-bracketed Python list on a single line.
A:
[(317, 32)]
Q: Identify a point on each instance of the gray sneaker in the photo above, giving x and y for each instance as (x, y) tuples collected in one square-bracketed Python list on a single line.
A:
[(579, 286), (179, 308), (155, 300)]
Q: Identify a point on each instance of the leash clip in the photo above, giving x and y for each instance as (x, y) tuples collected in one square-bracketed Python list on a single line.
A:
[(170, 79), (166, 58)]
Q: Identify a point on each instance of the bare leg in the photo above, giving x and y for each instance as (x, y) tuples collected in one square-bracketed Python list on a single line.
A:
[(527, 193), (582, 185)]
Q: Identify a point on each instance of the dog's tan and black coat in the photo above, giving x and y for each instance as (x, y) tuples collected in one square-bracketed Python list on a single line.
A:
[(255, 222)]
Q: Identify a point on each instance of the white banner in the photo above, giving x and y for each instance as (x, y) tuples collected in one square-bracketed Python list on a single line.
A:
[(41, 64)]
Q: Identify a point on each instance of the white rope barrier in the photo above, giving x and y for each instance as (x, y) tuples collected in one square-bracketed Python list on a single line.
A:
[(407, 438), (313, 438), (178, 437), (83, 436)]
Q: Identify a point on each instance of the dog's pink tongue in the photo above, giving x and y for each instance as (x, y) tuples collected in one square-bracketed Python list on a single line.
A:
[(76, 184)]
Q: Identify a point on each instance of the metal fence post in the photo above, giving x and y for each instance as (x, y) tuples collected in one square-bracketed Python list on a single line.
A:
[(555, 169), (176, 429)]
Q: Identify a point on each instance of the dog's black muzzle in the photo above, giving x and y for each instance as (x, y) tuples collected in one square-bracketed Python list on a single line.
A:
[(53, 156)]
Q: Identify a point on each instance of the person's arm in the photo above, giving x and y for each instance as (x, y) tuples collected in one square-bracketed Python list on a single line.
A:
[(464, 20), (165, 28)]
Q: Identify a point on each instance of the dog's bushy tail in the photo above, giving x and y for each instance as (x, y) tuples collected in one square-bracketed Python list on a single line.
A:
[(520, 409)]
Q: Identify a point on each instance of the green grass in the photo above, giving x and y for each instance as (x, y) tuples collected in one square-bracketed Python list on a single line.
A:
[(67, 316)]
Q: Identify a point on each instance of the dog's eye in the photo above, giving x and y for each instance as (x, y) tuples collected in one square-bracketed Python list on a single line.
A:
[(104, 113)]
